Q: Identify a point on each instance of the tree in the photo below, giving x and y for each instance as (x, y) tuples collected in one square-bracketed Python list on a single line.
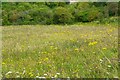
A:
[(113, 8), (62, 16)]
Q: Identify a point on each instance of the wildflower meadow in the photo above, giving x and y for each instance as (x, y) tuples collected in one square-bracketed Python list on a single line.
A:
[(56, 51), (60, 39)]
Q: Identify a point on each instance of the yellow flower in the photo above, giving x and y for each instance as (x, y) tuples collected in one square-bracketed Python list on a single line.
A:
[(82, 49), (40, 62), (46, 59), (90, 38), (76, 49), (92, 43), (3, 50), (104, 48), (3, 63), (85, 35), (51, 47), (55, 48), (30, 74), (110, 30)]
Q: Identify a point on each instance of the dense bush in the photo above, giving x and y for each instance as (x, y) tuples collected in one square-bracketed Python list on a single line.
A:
[(56, 4), (36, 14), (94, 13), (110, 20), (56, 12), (62, 16), (41, 16), (87, 13), (81, 12)]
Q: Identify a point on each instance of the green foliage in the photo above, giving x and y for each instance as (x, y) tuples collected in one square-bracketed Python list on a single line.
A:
[(62, 16), (94, 13), (87, 13), (83, 6), (18, 13), (110, 20), (81, 12), (25, 13), (51, 5), (55, 4), (99, 4), (41, 16), (113, 8), (81, 16)]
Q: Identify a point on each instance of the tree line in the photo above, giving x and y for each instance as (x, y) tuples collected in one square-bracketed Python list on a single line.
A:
[(19, 13)]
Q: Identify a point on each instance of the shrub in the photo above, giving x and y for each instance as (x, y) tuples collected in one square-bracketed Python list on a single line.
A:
[(110, 20), (42, 16), (83, 6), (71, 8), (27, 14), (81, 12), (5, 20), (87, 14), (94, 13), (62, 16), (81, 16)]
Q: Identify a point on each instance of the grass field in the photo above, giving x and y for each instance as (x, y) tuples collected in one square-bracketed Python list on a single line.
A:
[(60, 51)]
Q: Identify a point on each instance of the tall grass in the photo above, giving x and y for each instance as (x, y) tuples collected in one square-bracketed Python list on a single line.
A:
[(60, 51)]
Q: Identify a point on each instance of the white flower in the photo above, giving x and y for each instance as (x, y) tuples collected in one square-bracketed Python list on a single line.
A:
[(101, 60), (55, 76), (58, 73), (42, 77), (37, 76), (68, 77), (28, 46), (116, 77), (17, 76), (107, 72), (45, 74), (52, 77), (23, 72), (109, 66), (8, 72), (17, 72)]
